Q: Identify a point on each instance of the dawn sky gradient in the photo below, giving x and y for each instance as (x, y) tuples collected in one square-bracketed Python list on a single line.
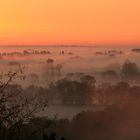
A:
[(69, 22)]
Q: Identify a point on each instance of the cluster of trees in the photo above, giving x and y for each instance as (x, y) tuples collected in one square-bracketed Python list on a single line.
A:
[(73, 92), (25, 53), (109, 52), (18, 107), (112, 123), (129, 71), (35, 52), (30, 52), (84, 91), (52, 71)]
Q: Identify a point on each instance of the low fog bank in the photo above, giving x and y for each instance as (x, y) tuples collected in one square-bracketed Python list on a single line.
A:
[(89, 103), (49, 72), (68, 97)]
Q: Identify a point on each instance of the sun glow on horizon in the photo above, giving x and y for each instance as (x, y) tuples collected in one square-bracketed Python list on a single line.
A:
[(70, 22)]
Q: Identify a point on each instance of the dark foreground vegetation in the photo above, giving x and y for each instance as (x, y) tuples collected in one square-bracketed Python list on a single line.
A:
[(120, 119), (114, 123)]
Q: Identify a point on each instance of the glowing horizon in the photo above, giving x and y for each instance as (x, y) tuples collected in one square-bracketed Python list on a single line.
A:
[(69, 22)]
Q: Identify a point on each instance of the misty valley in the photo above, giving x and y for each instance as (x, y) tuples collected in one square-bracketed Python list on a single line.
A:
[(69, 93)]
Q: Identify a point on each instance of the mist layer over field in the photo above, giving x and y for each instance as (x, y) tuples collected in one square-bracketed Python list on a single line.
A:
[(93, 90)]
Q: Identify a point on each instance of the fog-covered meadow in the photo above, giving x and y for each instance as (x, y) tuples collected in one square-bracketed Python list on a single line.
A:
[(66, 90)]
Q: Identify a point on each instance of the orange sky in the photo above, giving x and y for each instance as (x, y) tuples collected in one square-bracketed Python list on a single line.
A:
[(70, 22)]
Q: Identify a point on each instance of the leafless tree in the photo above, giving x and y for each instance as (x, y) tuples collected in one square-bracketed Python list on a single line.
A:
[(16, 108)]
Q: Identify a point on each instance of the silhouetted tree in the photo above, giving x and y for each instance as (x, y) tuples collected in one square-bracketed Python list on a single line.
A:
[(15, 108), (74, 92), (129, 70)]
